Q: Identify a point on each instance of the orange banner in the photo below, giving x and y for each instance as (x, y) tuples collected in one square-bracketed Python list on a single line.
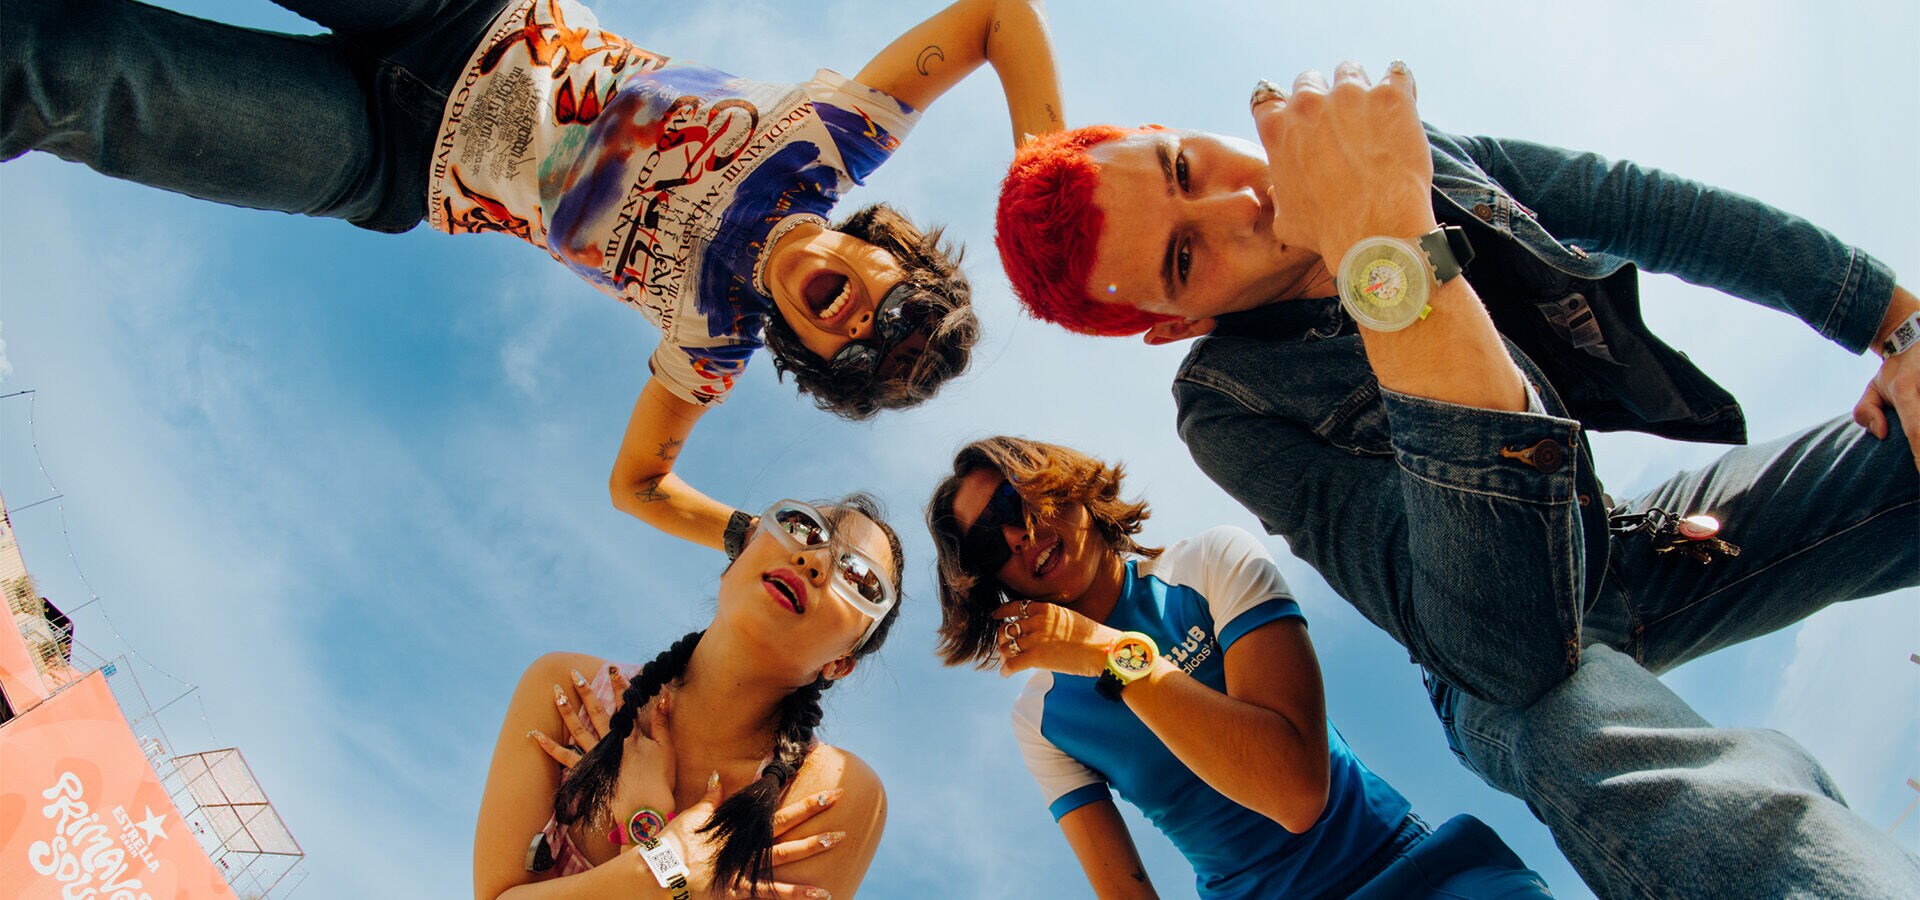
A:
[(82, 813)]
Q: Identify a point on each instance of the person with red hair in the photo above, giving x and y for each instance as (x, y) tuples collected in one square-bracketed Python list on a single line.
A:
[(1419, 438)]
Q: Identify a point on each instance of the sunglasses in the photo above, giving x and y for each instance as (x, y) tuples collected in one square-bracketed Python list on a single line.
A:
[(854, 577), (984, 549), (895, 320)]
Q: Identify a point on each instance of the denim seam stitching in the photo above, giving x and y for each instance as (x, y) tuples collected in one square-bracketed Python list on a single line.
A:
[(1552, 501), (1783, 558), (1847, 286), (1600, 850)]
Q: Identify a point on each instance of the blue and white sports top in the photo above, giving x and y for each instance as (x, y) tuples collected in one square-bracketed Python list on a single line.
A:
[(1195, 600)]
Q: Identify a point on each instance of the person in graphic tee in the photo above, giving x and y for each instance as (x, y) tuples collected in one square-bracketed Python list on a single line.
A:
[(693, 195)]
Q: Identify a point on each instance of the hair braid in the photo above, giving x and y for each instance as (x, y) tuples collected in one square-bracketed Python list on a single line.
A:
[(588, 786), (744, 823)]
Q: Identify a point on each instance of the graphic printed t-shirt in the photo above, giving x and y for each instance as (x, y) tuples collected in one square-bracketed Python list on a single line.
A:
[(1195, 600), (655, 182)]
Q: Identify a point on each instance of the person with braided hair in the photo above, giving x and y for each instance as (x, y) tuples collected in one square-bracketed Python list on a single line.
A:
[(708, 738)]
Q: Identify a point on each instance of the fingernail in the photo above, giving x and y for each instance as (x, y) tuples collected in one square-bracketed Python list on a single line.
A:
[(713, 781), (577, 680), (825, 799), (819, 894), (559, 696), (533, 734), (831, 838), (613, 669), (1399, 65)]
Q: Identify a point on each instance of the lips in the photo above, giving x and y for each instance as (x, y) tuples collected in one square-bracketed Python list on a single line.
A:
[(1047, 560), (786, 589)]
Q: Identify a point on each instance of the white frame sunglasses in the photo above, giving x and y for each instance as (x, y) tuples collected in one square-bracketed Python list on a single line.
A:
[(851, 569)]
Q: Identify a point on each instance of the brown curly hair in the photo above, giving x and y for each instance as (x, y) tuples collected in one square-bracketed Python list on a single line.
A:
[(1047, 477)]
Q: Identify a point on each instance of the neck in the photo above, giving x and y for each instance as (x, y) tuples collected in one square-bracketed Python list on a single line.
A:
[(729, 702), (1103, 594), (776, 257)]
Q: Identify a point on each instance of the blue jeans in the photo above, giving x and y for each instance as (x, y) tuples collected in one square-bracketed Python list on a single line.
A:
[(1645, 797), (1463, 859), (339, 125)]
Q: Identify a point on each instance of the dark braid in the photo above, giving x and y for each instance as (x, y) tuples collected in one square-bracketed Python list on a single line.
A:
[(588, 786), (744, 823)]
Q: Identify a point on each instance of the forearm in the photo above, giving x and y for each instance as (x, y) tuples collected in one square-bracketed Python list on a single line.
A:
[(1106, 852), (622, 878), (1021, 52), (1708, 236), (643, 483), (1255, 756), (1903, 304), (1455, 355), (668, 503)]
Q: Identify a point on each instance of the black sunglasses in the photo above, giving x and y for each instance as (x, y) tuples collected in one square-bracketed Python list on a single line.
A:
[(983, 549), (894, 320)]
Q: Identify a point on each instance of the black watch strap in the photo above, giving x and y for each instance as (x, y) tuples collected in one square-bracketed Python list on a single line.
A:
[(1108, 685), (1448, 251), (735, 538)]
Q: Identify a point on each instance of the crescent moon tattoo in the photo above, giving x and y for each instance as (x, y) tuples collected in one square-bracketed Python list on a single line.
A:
[(932, 52)]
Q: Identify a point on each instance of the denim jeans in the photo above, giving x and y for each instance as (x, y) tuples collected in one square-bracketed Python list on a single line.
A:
[(1473, 543), (339, 125)]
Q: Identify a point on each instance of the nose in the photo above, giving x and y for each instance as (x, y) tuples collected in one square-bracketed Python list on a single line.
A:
[(861, 327), (808, 562), (1235, 212), (1014, 533)]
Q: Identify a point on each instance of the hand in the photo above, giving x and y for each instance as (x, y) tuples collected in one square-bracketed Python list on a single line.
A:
[(1039, 635), (1895, 387), (1348, 162), (584, 716), (698, 850), (646, 763)]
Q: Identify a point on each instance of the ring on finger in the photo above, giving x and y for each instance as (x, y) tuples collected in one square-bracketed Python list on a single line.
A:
[(1265, 90), (1023, 608), (1013, 647), (1310, 79)]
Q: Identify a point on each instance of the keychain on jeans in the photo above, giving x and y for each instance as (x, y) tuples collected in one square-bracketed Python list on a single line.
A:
[(1693, 535)]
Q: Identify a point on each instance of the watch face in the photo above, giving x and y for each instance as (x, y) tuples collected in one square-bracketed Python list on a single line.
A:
[(1131, 657), (1384, 284)]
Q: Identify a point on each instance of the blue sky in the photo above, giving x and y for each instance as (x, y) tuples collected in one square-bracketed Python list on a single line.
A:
[(350, 484)]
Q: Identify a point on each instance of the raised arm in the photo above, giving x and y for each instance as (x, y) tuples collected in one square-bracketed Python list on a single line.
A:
[(1101, 842), (643, 484), (1351, 161), (936, 54)]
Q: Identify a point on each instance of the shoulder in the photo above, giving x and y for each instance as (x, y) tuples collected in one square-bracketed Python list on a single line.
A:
[(828, 767), (557, 667), (1206, 555)]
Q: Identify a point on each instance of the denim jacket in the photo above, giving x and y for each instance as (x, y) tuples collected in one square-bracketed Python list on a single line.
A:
[(1467, 534)]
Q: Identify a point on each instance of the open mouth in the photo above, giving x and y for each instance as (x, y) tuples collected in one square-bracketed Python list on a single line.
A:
[(826, 294), (1047, 561), (785, 590)]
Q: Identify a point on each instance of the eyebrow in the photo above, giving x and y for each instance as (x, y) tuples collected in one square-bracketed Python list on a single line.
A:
[(1163, 149)]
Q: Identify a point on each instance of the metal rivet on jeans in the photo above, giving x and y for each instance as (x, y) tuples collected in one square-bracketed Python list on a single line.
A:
[(1483, 212), (1547, 455)]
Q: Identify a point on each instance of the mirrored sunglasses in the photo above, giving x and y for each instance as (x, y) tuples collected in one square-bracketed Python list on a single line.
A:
[(853, 576), (894, 320)]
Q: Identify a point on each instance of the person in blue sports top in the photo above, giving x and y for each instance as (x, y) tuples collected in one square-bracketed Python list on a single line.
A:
[(1183, 679)]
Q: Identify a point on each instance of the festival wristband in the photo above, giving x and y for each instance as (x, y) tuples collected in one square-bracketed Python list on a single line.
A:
[(1904, 335), (667, 867)]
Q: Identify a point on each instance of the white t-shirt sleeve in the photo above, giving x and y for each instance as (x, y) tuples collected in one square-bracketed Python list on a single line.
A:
[(1242, 583), (702, 376), (1065, 782)]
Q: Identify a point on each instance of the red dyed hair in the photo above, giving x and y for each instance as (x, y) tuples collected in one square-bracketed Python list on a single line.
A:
[(1047, 230)]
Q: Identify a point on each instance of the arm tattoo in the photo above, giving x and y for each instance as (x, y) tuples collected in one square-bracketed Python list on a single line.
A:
[(670, 449), (650, 491), (1051, 115), (932, 52), (996, 26)]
